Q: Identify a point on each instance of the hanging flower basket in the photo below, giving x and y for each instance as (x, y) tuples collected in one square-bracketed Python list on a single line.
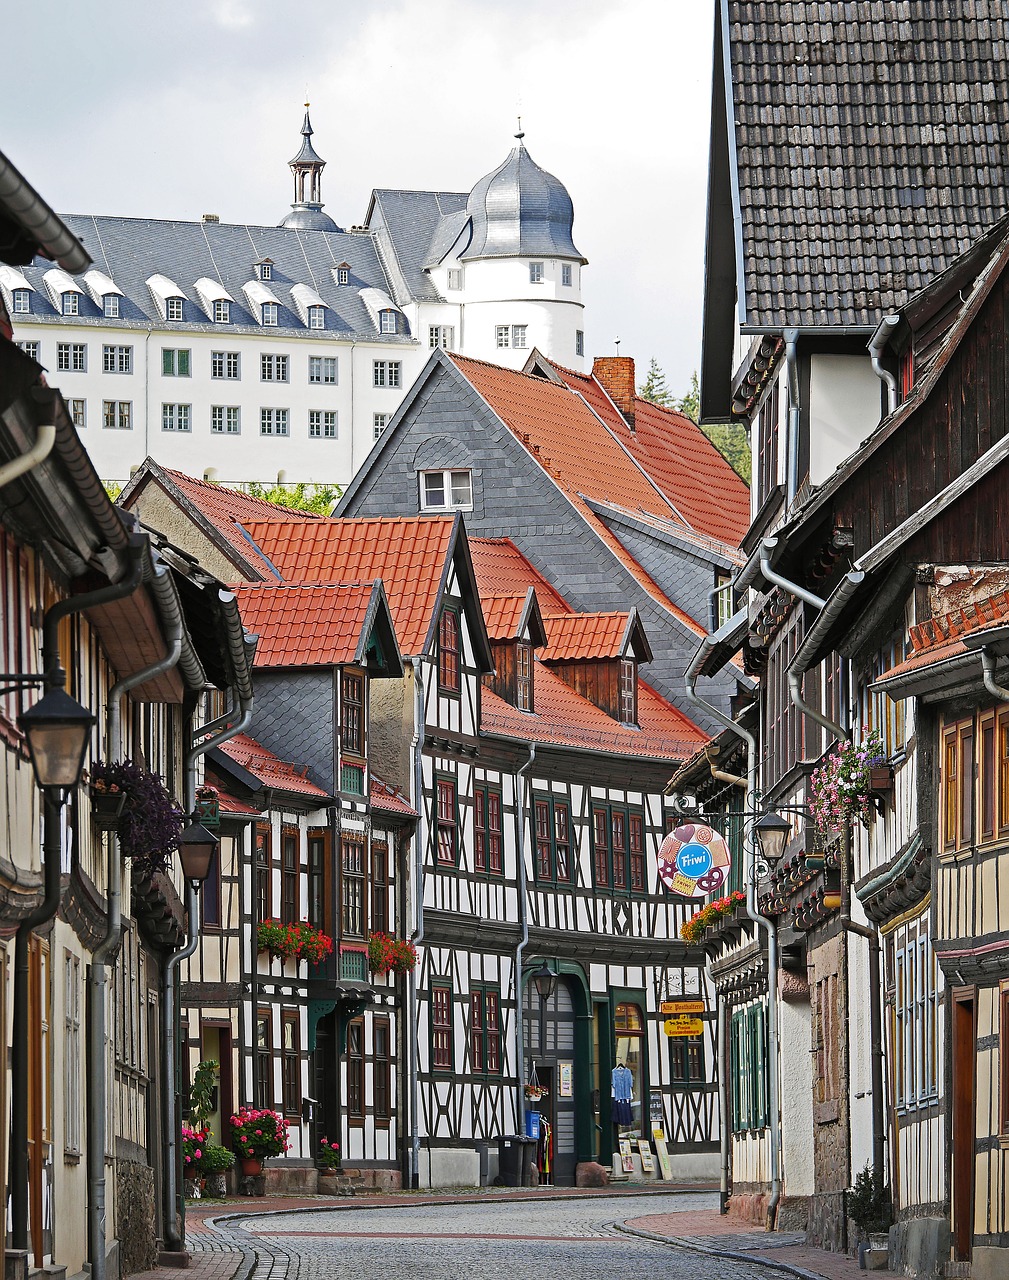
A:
[(106, 807), (711, 916), (840, 788), (150, 823), (208, 806)]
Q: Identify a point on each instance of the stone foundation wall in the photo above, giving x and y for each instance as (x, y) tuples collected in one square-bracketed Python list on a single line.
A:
[(750, 1206), (920, 1247), (138, 1246)]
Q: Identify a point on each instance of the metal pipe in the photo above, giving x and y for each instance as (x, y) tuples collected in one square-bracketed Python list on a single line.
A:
[(719, 774), (723, 1111), (174, 1207), (417, 937), (791, 337), (40, 450), (767, 549), (521, 883), (877, 343), (829, 613), (55, 678), (97, 979), (988, 672)]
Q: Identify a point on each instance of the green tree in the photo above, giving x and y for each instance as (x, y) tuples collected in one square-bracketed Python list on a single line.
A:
[(317, 498), (690, 404), (729, 438), (654, 386)]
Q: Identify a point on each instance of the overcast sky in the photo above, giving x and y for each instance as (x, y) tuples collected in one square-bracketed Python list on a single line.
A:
[(172, 111)]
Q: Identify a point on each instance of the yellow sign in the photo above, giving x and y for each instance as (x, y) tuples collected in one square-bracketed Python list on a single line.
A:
[(683, 1026), (681, 1006)]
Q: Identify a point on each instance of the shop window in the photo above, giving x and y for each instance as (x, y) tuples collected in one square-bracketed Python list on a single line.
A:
[(628, 1074)]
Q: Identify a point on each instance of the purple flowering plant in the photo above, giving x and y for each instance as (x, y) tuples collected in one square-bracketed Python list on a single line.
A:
[(839, 787), (150, 823)]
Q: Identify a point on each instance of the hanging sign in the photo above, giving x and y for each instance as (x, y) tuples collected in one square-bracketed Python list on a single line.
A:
[(694, 860), (683, 1025), (668, 1007)]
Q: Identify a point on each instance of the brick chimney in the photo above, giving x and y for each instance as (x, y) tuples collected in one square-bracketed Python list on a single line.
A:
[(616, 375)]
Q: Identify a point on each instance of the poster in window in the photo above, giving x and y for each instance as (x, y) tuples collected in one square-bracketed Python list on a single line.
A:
[(565, 1079)]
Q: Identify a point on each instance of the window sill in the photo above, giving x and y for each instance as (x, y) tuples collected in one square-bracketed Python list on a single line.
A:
[(71, 1157)]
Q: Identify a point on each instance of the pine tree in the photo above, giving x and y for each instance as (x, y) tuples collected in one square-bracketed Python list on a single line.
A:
[(690, 404), (654, 386)]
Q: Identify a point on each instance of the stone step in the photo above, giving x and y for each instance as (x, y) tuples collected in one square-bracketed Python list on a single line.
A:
[(956, 1270)]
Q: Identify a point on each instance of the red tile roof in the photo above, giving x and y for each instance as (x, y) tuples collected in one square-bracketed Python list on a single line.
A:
[(502, 570), (302, 625), (564, 718), (389, 799), (702, 487), (502, 615), (270, 769), (572, 637), (229, 804), (579, 453), (938, 638), (407, 553)]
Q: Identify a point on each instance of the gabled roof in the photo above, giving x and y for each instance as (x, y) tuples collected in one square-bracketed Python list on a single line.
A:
[(411, 554), (510, 617), (409, 224), (387, 798), (868, 147), (578, 637), (320, 625), (564, 718), (217, 510), (269, 770), (502, 570)]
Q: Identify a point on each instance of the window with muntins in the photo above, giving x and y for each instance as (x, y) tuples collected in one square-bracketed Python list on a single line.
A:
[(552, 822), (71, 304), (79, 413), (117, 415), (355, 1070), (382, 1069), (579, 342), (290, 897), (628, 691), (485, 1031), (536, 274), (317, 913), (446, 490), (379, 422), (263, 874), (510, 335), (72, 357), (225, 364), (292, 1063), (618, 852), (269, 313), (747, 1069), (22, 302), (566, 274), (273, 422), (117, 359), (886, 716), (176, 417), (441, 335), (353, 887), (273, 368), (387, 373), (441, 1028), (222, 311), (446, 829), (455, 277), (317, 317), (225, 419), (173, 308), (210, 894), (110, 306), (352, 712), (31, 349), (488, 834), (388, 321), (322, 424), (449, 678), (322, 370), (913, 970), (379, 886), (524, 675), (264, 1061), (782, 721), (974, 780), (767, 442)]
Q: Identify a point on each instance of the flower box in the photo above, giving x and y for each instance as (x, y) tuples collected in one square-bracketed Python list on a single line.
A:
[(208, 806), (881, 780), (106, 808)]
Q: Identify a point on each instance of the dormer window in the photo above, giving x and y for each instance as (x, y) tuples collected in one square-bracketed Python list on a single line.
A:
[(71, 303), (343, 273), (264, 269), (173, 308), (524, 675), (628, 691), (22, 300), (535, 272), (317, 317), (269, 313), (388, 322), (110, 306), (222, 311)]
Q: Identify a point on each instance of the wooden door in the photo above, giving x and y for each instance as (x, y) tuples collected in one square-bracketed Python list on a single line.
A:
[(556, 1068), (964, 1123)]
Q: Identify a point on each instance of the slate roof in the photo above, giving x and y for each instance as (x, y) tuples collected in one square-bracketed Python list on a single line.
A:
[(302, 625), (131, 250), (520, 210), (409, 554), (271, 771), (870, 142), (564, 718), (409, 225)]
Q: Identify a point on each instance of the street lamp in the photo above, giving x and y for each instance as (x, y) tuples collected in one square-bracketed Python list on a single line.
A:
[(545, 980), (58, 730), (772, 832), (196, 853)]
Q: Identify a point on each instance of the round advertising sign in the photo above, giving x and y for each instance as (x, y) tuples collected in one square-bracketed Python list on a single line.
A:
[(693, 860)]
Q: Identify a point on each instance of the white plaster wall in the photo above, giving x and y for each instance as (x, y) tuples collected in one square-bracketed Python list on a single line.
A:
[(794, 1022), (844, 407)]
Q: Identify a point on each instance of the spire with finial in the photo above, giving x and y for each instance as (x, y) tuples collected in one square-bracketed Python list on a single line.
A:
[(520, 135), (307, 167)]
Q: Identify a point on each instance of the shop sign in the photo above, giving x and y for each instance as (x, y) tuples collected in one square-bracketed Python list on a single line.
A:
[(683, 1025), (694, 860), (668, 1007)]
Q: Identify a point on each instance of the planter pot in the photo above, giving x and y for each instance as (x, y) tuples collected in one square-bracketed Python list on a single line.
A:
[(106, 809), (252, 1166), (191, 1188), (329, 1182), (881, 780), (217, 1186)]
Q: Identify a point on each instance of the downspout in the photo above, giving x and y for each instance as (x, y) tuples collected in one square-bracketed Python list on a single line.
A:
[(417, 937), (877, 344), (44, 440), (55, 678), (791, 337), (769, 927), (767, 549), (520, 856), (97, 979), (175, 1213), (990, 683), (719, 774)]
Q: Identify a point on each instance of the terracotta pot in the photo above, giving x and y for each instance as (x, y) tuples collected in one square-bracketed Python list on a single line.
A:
[(252, 1166)]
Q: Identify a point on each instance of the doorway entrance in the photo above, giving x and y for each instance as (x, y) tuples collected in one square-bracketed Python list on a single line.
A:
[(964, 1120), (550, 1044)]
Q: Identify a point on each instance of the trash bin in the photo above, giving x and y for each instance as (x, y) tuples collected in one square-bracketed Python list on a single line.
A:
[(514, 1153)]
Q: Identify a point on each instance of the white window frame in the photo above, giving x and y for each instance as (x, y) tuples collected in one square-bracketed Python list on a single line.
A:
[(222, 311), (323, 371), (274, 368), (274, 422), (121, 411), (117, 358), (566, 275), (31, 349), (78, 412), (379, 422), (21, 302), (225, 420), (71, 357), (388, 321), (110, 306), (579, 342), (387, 373), (266, 270), (342, 275), (441, 335), (502, 336), (520, 337), (270, 312), (452, 497), (455, 278), (511, 337), (322, 424), (537, 273), (177, 417), (317, 317), (226, 361), (72, 1053), (173, 308), (70, 303)]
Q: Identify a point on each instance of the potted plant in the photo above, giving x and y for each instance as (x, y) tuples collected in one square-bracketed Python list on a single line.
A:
[(208, 805), (107, 800), (293, 941), (390, 955), (194, 1143), (840, 787), (534, 1093), (150, 823), (314, 945), (329, 1162), (869, 1209), (215, 1165), (257, 1135)]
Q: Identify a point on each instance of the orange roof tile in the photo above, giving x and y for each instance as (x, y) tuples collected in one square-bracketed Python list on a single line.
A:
[(229, 804), (302, 625), (564, 718), (502, 570), (572, 637), (270, 769), (938, 638), (389, 799), (502, 615), (579, 453), (407, 553), (702, 487)]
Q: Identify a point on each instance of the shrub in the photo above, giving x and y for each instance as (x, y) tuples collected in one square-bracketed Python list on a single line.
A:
[(216, 1159), (868, 1209), (258, 1134)]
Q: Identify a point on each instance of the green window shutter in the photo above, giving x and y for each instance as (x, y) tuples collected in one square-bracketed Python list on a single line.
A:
[(183, 364), (736, 1071), (167, 362)]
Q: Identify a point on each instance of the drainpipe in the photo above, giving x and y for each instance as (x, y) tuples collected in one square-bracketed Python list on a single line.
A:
[(791, 337), (45, 438), (877, 345), (767, 549), (520, 855), (55, 678), (769, 927), (830, 611), (990, 683), (417, 747), (97, 979), (175, 1212), (719, 774)]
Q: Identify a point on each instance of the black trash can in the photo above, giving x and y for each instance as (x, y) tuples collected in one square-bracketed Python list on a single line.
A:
[(514, 1153)]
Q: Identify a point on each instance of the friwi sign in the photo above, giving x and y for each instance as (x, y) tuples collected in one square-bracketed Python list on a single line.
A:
[(694, 860)]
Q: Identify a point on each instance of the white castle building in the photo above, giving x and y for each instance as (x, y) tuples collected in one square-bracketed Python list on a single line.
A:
[(246, 353)]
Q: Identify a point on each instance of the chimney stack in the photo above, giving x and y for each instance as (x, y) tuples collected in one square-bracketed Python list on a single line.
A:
[(616, 375)]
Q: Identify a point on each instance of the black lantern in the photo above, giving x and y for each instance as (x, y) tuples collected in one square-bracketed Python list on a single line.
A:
[(545, 980), (772, 834), (58, 730), (196, 853)]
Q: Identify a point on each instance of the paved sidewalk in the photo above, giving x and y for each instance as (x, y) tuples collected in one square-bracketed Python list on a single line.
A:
[(708, 1231)]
